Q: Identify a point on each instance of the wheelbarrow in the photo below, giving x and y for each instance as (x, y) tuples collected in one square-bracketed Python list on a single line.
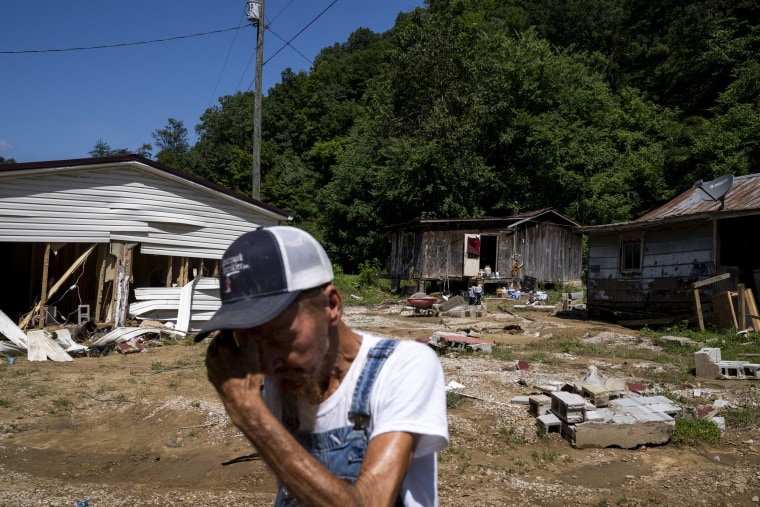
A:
[(424, 305)]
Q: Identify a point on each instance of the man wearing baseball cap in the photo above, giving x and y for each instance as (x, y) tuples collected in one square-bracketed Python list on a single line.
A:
[(342, 417)]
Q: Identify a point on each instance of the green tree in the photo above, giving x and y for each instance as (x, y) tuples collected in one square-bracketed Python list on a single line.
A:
[(223, 153), (4, 160), (172, 143), (102, 149)]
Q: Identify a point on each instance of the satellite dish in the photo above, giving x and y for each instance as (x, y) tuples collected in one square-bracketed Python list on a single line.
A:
[(715, 190)]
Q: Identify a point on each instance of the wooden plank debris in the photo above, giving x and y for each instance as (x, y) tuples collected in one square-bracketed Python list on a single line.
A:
[(697, 302), (42, 346), (10, 330)]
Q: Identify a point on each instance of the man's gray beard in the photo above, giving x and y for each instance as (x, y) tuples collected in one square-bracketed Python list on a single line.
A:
[(309, 391)]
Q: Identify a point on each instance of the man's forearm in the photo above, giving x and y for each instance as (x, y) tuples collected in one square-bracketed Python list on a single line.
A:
[(298, 471)]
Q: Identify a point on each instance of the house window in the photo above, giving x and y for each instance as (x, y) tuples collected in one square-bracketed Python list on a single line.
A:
[(631, 255)]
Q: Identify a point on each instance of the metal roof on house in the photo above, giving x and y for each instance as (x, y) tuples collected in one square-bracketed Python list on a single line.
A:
[(741, 199), (509, 222)]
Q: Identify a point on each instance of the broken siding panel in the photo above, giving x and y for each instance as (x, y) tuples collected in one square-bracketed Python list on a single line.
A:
[(112, 200)]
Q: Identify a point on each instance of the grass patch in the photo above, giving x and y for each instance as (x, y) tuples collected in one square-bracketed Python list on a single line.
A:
[(503, 353), (62, 402), (695, 431), (38, 392), (510, 436), (550, 454), (454, 400), (9, 428), (175, 381), (5, 403), (742, 418), (366, 285)]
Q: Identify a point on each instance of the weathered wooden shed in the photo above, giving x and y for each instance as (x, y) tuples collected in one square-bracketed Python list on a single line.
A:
[(539, 246), (87, 231), (646, 268)]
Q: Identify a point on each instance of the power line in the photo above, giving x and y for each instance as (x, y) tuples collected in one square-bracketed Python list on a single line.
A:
[(302, 30), (108, 46), (224, 66)]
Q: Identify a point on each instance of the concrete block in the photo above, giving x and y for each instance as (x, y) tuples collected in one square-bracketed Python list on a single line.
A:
[(539, 404), (596, 393), (706, 362), (680, 340), (520, 400), (568, 406), (549, 422)]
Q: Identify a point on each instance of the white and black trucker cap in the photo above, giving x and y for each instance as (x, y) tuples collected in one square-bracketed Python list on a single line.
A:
[(262, 273)]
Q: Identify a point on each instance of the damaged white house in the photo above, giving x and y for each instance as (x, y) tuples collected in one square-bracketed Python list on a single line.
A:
[(81, 237)]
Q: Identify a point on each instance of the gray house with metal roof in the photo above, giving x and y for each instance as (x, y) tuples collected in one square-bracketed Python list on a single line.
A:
[(647, 268), (94, 228)]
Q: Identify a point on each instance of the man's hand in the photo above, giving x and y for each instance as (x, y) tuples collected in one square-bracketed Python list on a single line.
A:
[(236, 374)]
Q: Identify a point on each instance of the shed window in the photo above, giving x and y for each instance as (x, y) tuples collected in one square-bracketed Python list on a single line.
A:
[(630, 255)]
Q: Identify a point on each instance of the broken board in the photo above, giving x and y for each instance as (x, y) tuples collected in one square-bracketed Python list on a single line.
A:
[(10, 330), (42, 347)]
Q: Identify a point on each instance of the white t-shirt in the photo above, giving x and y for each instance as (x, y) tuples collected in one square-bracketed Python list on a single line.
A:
[(408, 395)]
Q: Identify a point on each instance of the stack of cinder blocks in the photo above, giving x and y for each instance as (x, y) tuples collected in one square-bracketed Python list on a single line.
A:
[(625, 422)]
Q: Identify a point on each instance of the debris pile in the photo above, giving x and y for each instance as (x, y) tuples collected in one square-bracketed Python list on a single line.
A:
[(603, 413), (86, 340)]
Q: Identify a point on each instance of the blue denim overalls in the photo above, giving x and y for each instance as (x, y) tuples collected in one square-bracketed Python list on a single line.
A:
[(342, 450)]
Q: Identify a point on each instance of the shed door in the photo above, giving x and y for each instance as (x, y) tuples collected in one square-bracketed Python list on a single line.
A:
[(471, 254)]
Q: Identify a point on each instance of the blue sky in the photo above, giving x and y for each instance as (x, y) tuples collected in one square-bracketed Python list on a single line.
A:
[(57, 104)]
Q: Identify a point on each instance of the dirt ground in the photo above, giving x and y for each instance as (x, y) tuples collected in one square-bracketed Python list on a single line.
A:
[(147, 429)]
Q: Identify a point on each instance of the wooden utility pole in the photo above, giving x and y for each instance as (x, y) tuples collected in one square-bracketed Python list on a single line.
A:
[(255, 14)]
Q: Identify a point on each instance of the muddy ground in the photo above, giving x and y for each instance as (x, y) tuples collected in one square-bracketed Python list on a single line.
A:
[(147, 428)]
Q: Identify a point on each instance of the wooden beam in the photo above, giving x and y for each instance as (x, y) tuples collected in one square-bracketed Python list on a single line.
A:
[(102, 262), (742, 313), (655, 321), (698, 306), (752, 306), (170, 262), (708, 281), (43, 291)]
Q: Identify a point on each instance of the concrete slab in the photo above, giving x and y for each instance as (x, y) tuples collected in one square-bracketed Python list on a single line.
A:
[(626, 436)]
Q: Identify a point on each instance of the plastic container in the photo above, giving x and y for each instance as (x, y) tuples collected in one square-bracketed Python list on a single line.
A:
[(11, 360)]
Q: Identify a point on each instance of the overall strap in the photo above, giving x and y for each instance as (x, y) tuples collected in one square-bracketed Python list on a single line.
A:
[(360, 411)]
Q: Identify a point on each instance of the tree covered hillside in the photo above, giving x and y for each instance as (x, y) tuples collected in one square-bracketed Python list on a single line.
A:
[(601, 109)]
